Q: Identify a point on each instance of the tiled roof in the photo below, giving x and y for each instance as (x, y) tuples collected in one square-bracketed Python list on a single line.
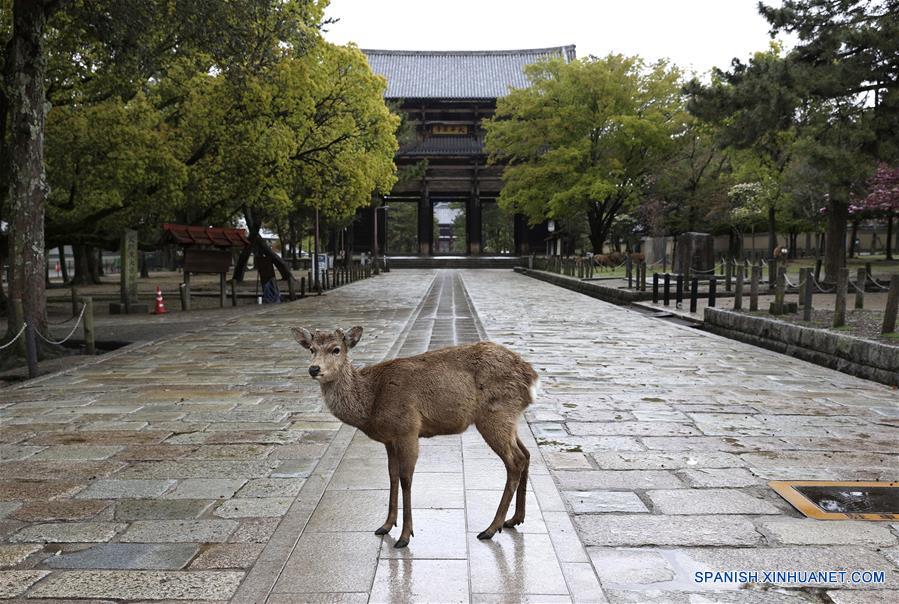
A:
[(473, 74), (445, 145)]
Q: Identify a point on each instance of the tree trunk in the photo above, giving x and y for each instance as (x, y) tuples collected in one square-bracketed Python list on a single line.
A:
[(64, 269), (28, 187), (85, 265), (835, 239), (852, 238), (772, 230), (259, 246), (889, 247)]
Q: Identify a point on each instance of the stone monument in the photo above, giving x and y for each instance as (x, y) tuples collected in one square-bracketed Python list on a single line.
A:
[(128, 292), (695, 254)]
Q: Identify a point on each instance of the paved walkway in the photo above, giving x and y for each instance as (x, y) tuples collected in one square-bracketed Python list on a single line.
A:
[(203, 468)]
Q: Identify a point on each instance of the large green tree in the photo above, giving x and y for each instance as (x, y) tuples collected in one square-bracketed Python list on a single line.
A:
[(583, 140)]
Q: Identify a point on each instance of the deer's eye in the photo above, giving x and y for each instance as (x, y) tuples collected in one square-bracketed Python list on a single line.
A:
[(312, 350), (335, 351)]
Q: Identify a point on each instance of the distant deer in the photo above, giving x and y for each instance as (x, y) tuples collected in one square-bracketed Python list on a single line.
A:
[(440, 392)]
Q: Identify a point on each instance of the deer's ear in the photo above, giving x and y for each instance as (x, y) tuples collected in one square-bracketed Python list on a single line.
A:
[(303, 336), (353, 336)]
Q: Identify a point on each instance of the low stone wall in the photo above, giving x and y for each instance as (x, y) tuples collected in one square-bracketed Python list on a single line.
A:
[(588, 288), (855, 356), (454, 261)]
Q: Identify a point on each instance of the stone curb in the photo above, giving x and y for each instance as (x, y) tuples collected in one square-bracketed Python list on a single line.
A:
[(856, 356), (588, 288)]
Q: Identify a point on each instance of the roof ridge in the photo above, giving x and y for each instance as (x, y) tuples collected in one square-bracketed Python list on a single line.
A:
[(566, 48)]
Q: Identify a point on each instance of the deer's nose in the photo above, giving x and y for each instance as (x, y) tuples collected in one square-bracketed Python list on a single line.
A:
[(314, 370)]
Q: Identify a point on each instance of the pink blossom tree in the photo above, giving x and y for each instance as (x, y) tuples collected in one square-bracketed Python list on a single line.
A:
[(882, 200)]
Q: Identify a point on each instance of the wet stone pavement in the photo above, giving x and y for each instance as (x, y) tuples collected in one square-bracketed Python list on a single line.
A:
[(204, 468)]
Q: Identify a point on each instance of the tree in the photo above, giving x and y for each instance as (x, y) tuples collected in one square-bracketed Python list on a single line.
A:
[(83, 52), (882, 200), (583, 140), (847, 65)]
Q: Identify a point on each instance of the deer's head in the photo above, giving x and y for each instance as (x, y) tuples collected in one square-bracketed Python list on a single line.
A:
[(329, 350)]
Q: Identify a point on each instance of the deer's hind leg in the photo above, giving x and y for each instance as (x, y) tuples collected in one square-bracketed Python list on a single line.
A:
[(500, 432), (518, 518), (393, 467)]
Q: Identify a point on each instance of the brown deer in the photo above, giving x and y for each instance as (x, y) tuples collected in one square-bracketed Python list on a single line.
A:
[(397, 402)]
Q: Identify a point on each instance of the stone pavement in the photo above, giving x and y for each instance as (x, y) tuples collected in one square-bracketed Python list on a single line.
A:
[(203, 467)]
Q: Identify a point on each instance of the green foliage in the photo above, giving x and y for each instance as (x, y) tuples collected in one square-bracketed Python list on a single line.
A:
[(582, 141)]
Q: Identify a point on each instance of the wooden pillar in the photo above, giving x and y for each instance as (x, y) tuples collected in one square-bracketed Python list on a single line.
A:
[(473, 218), (425, 221)]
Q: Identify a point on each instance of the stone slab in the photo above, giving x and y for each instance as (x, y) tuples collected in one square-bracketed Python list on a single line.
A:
[(72, 532), (709, 501), (330, 562), (134, 556), (444, 581), (596, 480), (642, 529), (16, 582), (11, 555), (160, 509), (267, 507), (205, 488), (596, 502), (125, 489), (179, 531), (806, 531), (137, 584)]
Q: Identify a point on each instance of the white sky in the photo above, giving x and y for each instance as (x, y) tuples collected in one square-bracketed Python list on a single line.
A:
[(694, 34)]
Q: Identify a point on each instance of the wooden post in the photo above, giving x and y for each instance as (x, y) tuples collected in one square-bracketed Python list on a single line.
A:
[(738, 289), (655, 288), (772, 273), (628, 268), (780, 291), (679, 292), (643, 276), (185, 292), (818, 262), (889, 313), (30, 350), (221, 290), (291, 288), (728, 274), (694, 294), (667, 290), (807, 297), (860, 281), (754, 287), (89, 337), (75, 304), (302, 287), (233, 292), (713, 289), (803, 283), (839, 308)]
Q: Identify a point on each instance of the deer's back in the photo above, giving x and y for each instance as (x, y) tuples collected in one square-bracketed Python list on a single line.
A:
[(444, 391)]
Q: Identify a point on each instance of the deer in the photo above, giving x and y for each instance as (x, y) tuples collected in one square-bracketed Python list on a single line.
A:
[(397, 402)]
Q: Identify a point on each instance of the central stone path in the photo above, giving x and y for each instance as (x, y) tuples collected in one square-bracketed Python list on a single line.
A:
[(457, 484)]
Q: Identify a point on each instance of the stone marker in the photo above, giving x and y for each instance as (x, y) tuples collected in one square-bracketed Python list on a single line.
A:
[(738, 289), (128, 283), (695, 253)]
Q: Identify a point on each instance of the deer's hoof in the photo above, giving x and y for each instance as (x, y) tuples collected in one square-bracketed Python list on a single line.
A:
[(382, 530), (488, 534), (401, 543), (511, 522)]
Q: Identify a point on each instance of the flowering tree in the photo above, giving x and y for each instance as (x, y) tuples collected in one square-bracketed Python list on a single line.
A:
[(882, 200)]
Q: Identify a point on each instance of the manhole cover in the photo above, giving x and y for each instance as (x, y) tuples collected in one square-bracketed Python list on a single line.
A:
[(841, 500)]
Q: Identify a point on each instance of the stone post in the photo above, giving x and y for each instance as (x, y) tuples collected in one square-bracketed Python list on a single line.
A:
[(777, 307), (889, 313), (694, 294), (807, 297), (803, 283), (728, 274), (860, 288), (738, 289), (839, 308)]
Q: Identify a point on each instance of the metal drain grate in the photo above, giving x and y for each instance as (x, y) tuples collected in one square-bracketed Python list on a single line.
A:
[(841, 500)]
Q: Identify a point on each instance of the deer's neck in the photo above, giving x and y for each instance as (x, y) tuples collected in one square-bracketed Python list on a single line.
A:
[(349, 397)]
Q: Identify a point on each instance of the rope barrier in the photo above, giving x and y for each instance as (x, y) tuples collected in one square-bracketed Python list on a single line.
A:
[(71, 333), (821, 287), (18, 335), (876, 284), (855, 285)]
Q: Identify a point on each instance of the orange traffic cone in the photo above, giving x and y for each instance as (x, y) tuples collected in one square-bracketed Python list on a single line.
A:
[(160, 304)]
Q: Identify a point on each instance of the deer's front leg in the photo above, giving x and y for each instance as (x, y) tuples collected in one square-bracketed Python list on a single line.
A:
[(393, 466), (407, 452)]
